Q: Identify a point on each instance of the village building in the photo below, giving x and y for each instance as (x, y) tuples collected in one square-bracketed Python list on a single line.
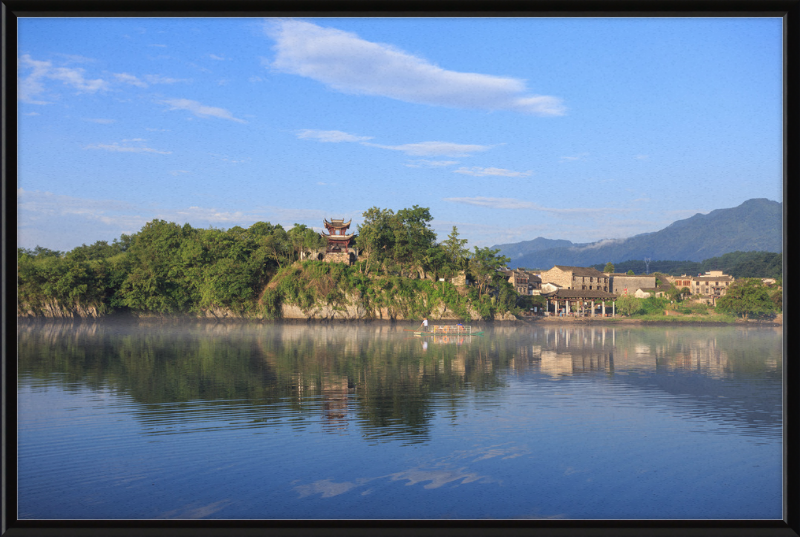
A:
[(621, 283), (709, 286), (525, 283), (575, 291), (580, 302), (577, 278)]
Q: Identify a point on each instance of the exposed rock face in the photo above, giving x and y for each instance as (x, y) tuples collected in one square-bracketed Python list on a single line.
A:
[(355, 311), (51, 308)]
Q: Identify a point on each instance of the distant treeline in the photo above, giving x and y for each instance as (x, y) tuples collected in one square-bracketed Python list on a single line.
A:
[(736, 264)]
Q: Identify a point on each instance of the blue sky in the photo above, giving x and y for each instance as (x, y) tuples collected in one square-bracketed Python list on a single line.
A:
[(508, 128)]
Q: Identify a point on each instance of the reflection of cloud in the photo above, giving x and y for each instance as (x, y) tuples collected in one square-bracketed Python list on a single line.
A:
[(345, 62), (191, 511), (438, 478), (325, 487), (441, 473)]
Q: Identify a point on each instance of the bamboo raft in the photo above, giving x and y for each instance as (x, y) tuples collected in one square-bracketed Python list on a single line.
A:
[(446, 330)]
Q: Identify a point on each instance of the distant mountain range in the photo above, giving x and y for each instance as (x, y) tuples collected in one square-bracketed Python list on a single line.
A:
[(755, 225)]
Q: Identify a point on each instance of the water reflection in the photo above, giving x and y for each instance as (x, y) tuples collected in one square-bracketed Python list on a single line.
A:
[(204, 376)]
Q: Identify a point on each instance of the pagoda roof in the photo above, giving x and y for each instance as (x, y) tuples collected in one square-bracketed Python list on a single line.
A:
[(338, 237), (337, 223)]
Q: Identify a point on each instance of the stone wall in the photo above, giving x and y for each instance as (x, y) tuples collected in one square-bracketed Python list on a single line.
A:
[(558, 277), (340, 257)]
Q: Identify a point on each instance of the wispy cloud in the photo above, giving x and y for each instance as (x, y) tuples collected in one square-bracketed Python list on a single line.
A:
[(200, 110), (483, 172), (422, 163), (159, 79), (419, 149), (33, 84), (101, 121), (330, 136), (641, 157), (133, 80), (217, 57), (513, 203), (347, 63), (127, 147), (434, 149), (494, 203), (579, 156)]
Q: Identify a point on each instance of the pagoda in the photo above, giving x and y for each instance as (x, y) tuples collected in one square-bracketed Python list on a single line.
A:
[(338, 239)]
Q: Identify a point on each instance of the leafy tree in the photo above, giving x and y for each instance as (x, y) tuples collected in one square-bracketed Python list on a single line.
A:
[(376, 236), (484, 264), (455, 249), (629, 305), (747, 297), (156, 282), (629, 273), (413, 237), (609, 267)]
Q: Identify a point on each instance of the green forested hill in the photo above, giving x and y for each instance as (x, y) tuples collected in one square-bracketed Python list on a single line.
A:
[(166, 269), (736, 264)]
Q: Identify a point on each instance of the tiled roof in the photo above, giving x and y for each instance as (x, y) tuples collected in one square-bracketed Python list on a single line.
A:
[(713, 278), (577, 293)]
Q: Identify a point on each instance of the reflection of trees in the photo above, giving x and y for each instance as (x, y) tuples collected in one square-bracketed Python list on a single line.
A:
[(376, 375), (388, 381)]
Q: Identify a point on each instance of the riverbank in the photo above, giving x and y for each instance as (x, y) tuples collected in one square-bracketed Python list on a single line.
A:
[(694, 320), (126, 317)]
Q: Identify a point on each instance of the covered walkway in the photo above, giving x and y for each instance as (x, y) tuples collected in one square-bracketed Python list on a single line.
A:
[(562, 302)]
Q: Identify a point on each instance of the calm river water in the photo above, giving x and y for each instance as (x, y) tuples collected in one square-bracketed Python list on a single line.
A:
[(365, 421)]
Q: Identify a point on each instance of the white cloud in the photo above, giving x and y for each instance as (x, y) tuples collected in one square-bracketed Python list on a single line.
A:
[(433, 149), (150, 79), (579, 156), (178, 172), (159, 79), (128, 148), (201, 110), (350, 64), (512, 203), (33, 85), (483, 172), (495, 203), (641, 157), (431, 163), (330, 136), (216, 57), (130, 79), (101, 121)]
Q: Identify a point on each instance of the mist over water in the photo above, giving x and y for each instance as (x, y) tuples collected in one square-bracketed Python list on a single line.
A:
[(367, 421)]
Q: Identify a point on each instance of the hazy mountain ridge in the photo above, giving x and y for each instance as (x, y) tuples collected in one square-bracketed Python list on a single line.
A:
[(755, 225)]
